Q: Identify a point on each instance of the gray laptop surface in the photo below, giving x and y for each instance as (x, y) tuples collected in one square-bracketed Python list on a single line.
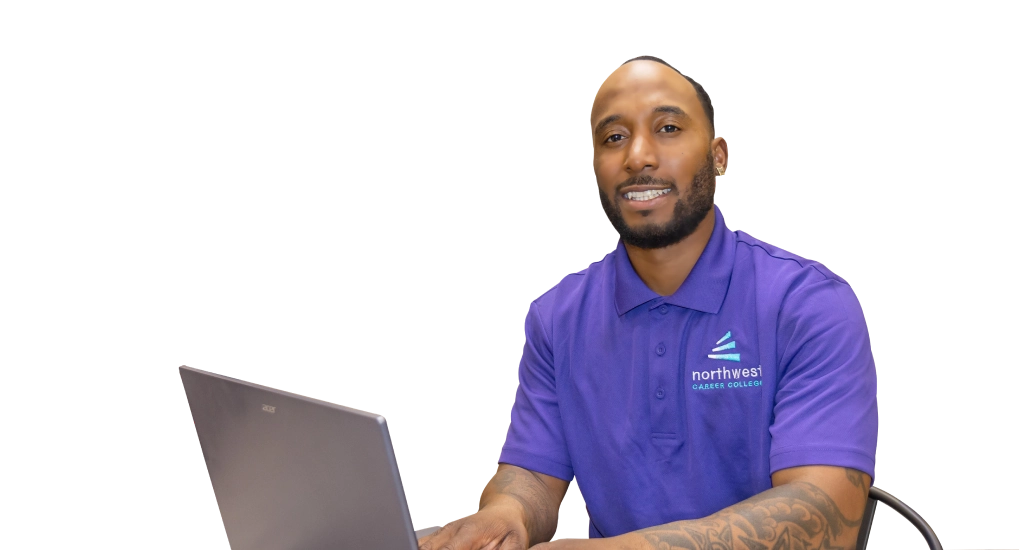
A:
[(290, 472)]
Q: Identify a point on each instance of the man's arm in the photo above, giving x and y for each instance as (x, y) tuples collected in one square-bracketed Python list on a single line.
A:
[(810, 507), (538, 496)]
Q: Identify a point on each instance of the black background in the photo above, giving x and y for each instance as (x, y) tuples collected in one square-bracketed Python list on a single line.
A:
[(411, 302)]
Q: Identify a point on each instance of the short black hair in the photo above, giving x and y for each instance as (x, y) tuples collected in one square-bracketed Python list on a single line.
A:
[(706, 102)]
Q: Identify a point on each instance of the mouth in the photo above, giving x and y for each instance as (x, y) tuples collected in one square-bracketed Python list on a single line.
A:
[(645, 199)]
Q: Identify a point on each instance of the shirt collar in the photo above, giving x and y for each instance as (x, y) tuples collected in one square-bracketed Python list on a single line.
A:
[(703, 290)]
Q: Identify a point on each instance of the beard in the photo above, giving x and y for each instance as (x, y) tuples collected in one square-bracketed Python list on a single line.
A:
[(687, 214)]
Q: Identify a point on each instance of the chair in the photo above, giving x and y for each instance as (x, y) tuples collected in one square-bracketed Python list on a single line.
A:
[(876, 495)]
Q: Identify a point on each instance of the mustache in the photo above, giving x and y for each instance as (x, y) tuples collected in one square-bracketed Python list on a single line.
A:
[(645, 179)]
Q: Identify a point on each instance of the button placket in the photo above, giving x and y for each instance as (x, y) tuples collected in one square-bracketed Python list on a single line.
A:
[(662, 369)]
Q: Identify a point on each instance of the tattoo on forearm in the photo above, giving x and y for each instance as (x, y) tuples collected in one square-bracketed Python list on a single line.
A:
[(795, 516)]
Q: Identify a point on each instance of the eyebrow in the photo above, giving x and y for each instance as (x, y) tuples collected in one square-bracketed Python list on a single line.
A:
[(671, 109)]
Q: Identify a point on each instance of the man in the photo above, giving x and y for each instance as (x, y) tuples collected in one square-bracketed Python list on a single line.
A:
[(708, 390)]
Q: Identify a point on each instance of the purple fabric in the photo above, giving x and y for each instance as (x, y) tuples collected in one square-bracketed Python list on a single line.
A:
[(617, 386)]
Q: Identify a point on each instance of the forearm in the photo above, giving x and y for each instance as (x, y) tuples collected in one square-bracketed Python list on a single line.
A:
[(802, 513), (525, 492)]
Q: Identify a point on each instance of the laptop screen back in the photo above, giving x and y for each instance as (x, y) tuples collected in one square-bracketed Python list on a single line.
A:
[(294, 472)]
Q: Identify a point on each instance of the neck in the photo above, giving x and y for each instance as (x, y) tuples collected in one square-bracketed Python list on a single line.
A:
[(665, 269)]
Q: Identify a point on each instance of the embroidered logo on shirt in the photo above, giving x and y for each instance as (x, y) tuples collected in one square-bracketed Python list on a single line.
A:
[(732, 344), (725, 377)]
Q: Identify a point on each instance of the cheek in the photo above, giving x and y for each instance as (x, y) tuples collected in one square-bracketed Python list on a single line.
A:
[(605, 173), (601, 164), (678, 162)]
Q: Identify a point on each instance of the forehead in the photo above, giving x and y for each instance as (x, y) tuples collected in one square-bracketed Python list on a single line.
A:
[(639, 87)]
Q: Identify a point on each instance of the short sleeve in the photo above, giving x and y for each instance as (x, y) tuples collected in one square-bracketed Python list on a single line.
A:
[(826, 409), (535, 438)]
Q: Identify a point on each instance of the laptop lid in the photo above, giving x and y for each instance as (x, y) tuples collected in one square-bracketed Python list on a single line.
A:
[(293, 472)]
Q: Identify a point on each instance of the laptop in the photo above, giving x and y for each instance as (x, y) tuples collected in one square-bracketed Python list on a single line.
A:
[(294, 472)]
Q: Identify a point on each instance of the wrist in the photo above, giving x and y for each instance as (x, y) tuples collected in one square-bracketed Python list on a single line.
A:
[(506, 508), (633, 541)]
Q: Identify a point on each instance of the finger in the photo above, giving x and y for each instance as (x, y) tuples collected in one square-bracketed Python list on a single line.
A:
[(436, 538), (423, 543), (509, 541), (431, 542), (450, 537), (469, 537), (512, 541)]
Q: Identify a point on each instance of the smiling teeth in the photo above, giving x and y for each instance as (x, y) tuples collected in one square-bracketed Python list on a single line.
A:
[(645, 195)]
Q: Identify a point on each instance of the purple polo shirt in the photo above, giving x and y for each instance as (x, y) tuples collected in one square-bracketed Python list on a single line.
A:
[(674, 407)]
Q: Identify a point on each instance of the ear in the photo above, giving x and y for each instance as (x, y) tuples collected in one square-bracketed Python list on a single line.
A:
[(720, 155)]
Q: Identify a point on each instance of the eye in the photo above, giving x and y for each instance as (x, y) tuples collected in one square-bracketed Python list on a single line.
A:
[(614, 138), (669, 129)]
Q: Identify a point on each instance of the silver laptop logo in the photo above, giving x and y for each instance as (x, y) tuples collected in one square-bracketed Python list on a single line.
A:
[(269, 408)]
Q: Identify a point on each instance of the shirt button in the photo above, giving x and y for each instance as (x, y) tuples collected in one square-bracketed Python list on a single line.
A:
[(660, 393), (663, 309), (660, 349)]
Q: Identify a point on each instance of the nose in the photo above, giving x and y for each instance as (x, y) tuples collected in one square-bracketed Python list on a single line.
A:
[(641, 154)]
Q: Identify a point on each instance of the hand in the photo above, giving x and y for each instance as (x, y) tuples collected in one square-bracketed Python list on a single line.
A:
[(492, 528)]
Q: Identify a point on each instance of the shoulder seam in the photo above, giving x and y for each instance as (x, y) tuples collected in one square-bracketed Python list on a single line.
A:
[(795, 260)]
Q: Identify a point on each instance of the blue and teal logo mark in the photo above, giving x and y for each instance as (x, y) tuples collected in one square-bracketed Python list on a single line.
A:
[(732, 344), (723, 376)]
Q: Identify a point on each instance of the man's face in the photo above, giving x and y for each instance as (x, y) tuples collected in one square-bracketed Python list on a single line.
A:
[(653, 154)]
